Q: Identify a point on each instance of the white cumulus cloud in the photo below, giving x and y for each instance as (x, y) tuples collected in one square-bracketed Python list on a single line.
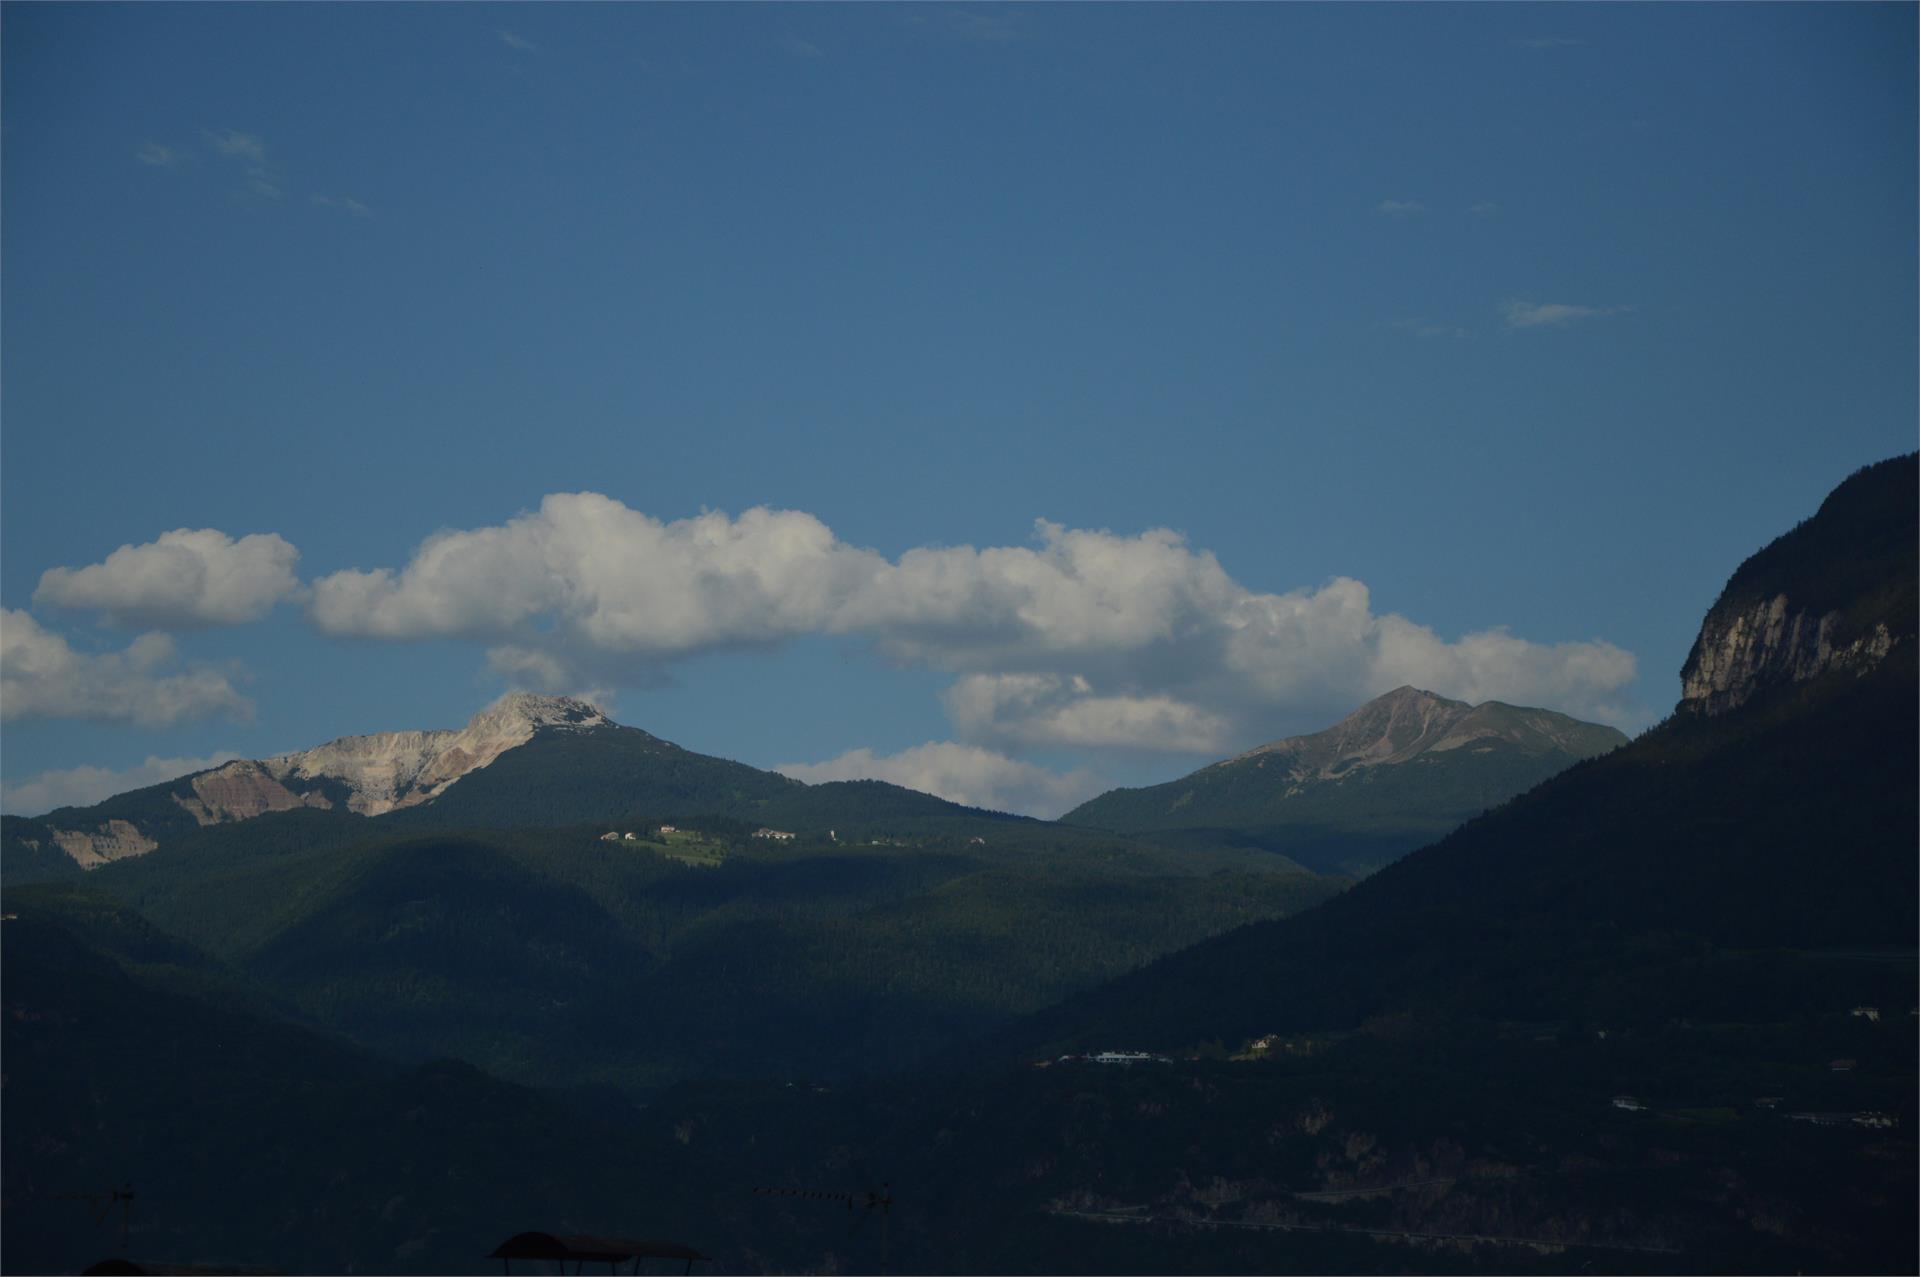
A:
[(1044, 710), (41, 676), (611, 578), (960, 773), (84, 786), (185, 579), (1085, 638)]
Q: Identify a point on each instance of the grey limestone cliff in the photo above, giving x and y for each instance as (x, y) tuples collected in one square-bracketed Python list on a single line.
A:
[(1836, 594), (1768, 643)]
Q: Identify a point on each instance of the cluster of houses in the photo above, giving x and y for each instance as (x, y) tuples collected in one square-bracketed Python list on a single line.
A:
[(787, 835), (1123, 1058), (1268, 1044), (614, 835), (771, 835), (1868, 1119)]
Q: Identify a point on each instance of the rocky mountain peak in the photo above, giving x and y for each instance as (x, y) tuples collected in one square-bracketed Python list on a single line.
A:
[(389, 770), (1399, 771), (533, 711), (369, 775), (1410, 721)]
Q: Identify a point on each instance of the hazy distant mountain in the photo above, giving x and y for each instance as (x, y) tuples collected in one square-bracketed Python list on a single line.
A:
[(1395, 774)]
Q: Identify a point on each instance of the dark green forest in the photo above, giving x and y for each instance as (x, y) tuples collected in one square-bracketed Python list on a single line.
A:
[(1353, 824), (1443, 1145), (551, 955)]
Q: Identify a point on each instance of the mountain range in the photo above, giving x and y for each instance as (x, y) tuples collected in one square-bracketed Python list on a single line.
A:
[(1399, 771), (1648, 1016), (525, 760)]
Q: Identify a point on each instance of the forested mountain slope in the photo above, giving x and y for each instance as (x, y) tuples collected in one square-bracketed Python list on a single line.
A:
[(554, 955), (526, 761), (1393, 775)]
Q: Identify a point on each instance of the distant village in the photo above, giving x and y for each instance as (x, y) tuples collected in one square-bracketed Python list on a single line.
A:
[(1120, 1058), (1871, 1119), (665, 833)]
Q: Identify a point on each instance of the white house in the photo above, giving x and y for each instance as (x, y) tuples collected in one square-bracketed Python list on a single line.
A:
[(778, 835)]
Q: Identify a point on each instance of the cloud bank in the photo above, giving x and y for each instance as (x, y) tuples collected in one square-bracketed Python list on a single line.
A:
[(41, 676), (185, 579), (1047, 710), (1083, 640), (1086, 637)]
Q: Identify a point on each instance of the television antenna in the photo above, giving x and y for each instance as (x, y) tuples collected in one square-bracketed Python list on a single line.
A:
[(104, 1203), (867, 1203)]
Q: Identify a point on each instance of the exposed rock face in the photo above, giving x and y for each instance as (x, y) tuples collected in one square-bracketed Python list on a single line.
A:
[(1837, 593), (241, 790), (1407, 722), (378, 774), (114, 840), (1766, 644), (401, 769)]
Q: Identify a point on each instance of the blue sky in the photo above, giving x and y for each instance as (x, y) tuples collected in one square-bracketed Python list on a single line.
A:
[(1336, 346)]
